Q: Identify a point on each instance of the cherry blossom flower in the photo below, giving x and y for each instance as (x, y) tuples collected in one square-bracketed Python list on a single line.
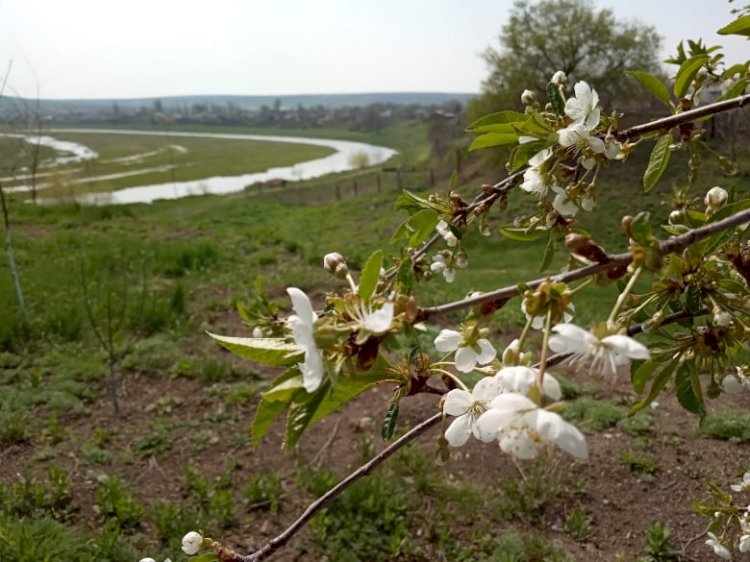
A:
[(559, 78), (743, 486), (303, 329), (562, 203), (582, 108), (374, 321), (522, 428), (578, 136), (468, 406), (535, 183), (716, 198), (528, 97), (467, 356), (446, 263), (604, 355), (444, 230), (520, 379), (193, 542), (719, 549)]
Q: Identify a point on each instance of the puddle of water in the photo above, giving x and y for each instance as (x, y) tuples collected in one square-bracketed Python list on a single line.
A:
[(78, 152), (347, 156)]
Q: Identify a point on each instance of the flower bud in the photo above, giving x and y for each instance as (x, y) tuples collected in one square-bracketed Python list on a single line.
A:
[(511, 353), (147, 560), (559, 78), (258, 332), (716, 198), (676, 217), (192, 543), (335, 264), (528, 97)]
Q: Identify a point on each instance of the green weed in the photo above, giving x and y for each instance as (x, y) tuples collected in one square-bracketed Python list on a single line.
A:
[(593, 415), (263, 491), (578, 525), (729, 425), (117, 502)]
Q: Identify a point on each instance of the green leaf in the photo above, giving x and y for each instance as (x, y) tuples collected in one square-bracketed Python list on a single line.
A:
[(555, 99), (660, 381), (740, 26), (265, 415), (657, 162), (389, 423), (686, 73), (523, 152), (653, 85), (693, 298), (487, 123), (421, 225), (489, 140), (521, 234), (643, 374), (284, 390), (412, 202), (640, 228), (368, 279), (534, 126), (276, 352), (301, 414), (689, 391), (549, 252)]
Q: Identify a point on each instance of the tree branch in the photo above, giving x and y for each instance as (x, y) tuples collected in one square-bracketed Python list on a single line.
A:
[(669, 246), (277, 542)]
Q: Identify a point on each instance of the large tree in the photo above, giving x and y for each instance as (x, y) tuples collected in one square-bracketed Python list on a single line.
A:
[(569, 35)]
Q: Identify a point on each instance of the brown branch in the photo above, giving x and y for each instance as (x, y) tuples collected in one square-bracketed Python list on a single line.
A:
[(669, 246), (277, 542), (667, 123)]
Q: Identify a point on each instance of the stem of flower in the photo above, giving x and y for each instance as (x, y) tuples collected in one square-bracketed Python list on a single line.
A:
[(543, 358), (524, 333), (352, 284), (611, 321)]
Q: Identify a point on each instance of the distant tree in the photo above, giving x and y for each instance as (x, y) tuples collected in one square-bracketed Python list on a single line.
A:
[(569, 35)]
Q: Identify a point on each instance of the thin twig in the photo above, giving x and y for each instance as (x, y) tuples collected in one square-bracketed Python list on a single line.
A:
[(277, 542)]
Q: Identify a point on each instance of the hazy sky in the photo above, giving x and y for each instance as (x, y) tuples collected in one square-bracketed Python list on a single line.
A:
[(143, 48)]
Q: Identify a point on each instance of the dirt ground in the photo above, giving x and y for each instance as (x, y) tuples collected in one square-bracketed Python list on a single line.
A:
[(621, 503)]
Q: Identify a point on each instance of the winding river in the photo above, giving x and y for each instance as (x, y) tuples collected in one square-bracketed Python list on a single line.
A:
[(347, 156)]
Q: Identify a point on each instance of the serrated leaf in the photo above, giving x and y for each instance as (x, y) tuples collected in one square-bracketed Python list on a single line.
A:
[(549, 252), (520, 234), (368, 279), (266, 413), (389, 423), (421, 226), (686, 73), (740, 26), (499, 118), (660, 380), (555, 99), (689, 391), (300, 415), (284, 388), (488, 140), (412, 202), (653, 85), (533, 126), (276, 352), (657, 162)]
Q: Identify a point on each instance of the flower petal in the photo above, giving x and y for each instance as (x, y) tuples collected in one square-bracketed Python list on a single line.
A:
[(556, 430), (569, 338), (302, 305), (447, 341), (380, 320), (466, 359), (312, 370), (627, 346), (487, 353), (457, 402), (486, 389), (459, 431)]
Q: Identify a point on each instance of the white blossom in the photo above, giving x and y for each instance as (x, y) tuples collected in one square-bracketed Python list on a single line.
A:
[(467, 407), (604, 355), (743, 486), (582, 108), (528, 97), (719, 549), (522, 428), (520, 379), (192, 542), (446, 264), (612, 148), (444, 230), (535, 182), (559, 78), (374, 321), (147, 560), (716, 198), (562, 203), (578, 136), (467, 356), (303, 329)]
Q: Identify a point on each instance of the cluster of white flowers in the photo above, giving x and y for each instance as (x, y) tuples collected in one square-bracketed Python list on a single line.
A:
[(743, 543), (498, 409), (446, 263), (445, 231)]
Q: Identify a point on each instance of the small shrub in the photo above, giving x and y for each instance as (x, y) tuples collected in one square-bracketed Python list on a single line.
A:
[(155, 443), (263, 491), (578, 526), (729, 425), (117, 502), (14, 427), (593, 415)]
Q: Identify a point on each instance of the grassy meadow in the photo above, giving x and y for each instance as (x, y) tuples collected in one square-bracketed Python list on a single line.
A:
[(79, 484)]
